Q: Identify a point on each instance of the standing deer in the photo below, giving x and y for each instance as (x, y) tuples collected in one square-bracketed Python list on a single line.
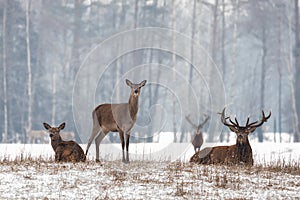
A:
[(35, 136), (67, 135), (198, 135), (65, 151), (116, 118), (241, 152)]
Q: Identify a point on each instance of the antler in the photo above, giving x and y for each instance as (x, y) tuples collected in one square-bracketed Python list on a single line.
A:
[(223, 120), (263, 120), (188, 119), (204, 122), (194, 125)]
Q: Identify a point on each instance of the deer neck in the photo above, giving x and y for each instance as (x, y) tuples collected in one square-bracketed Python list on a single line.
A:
[(55, 143), (243, 150), (133, 106)]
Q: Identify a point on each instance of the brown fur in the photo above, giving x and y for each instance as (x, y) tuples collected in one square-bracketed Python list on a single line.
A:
[(198, 135), (116, 118), (65, 151), (240, 153)]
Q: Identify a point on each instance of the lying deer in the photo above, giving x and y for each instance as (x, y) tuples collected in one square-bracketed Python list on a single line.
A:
[(239, 153), (65, 151), (116, 118), (198, 135)]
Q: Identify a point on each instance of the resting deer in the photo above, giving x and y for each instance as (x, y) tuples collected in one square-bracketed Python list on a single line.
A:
[(65, 151), (116, 118), (239, 153), (198, 135)]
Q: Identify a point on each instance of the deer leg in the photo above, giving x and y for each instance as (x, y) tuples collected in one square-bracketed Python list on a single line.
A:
[(95, 131), (121, 134), (98, 139), (127, 146)]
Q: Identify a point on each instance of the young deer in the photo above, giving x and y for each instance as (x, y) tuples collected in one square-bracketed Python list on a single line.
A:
[(198, 135), (241, 152), (65, 151), (116, 118)]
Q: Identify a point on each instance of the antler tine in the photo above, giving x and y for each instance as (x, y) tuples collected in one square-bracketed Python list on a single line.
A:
[(232, 122), (263, 120), (252, 123), (223, 119), (204, 122), (247, 121), (189, 120), (236, 121)]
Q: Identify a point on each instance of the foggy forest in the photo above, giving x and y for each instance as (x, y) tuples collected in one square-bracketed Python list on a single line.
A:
[(60, 59)]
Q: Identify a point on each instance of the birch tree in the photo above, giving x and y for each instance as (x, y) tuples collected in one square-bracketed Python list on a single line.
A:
[(233, 54), (297, 69), (4, 49), (29, 74)]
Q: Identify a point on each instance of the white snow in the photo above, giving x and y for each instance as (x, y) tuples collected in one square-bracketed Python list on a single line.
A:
[(156, 171)]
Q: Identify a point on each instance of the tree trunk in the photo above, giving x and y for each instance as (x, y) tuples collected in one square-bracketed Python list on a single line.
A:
[(262, 80), (280, 78), (4, 137), (53, 95), (75, 56), (297, 69), (291, 81), (215, 28), (174, 74), (223, 41), (29, 73), (233, 58)]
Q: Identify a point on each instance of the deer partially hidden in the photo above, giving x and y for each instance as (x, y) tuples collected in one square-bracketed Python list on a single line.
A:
[(198, 135), (65, 151), (116, 118), (35, 136), (240, 153)]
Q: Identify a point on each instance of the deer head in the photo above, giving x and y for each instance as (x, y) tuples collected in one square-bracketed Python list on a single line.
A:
[(135, 88), (54, 131), (198, 128), (242, 132)]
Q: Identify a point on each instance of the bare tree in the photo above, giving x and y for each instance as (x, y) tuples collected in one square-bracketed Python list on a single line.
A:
[(29, 73), (297, 68), (233, 55), (174, 73), (4, 139)]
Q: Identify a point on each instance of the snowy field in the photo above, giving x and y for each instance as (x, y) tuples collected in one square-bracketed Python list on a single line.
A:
[(156, 171)]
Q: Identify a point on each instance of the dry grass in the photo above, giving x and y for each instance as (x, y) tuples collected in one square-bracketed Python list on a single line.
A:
[(47, 179)]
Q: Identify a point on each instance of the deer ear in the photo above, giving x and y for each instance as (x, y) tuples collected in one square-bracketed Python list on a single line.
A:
[(251, 129), (128, 82), (142, 83), (47, 126), (232, 129), (62, 126)]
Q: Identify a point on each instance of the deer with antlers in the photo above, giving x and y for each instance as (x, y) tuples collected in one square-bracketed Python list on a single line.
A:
[(65, 151), (239, 153), (198, 135)]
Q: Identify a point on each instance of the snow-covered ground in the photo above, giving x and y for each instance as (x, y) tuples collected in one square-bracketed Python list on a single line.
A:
[(156, 171)]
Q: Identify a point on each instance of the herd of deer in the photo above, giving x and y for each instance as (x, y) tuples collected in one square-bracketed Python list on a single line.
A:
[(121, 118)]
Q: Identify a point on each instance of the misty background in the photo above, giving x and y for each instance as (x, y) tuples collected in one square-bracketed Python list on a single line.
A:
[(252, 46)]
